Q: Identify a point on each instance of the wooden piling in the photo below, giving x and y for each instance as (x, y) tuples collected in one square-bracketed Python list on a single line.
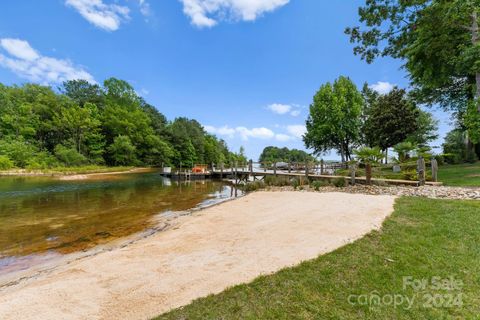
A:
[(353, 168), (421, 171), (434, 165)]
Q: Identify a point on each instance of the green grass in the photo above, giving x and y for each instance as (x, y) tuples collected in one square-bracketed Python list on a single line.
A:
[(423, 238), (467, 175)]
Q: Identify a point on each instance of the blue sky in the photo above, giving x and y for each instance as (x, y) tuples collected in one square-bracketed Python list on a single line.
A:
[(247, 70)]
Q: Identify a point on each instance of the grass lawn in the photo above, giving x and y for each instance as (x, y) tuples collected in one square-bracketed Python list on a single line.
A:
[(422, 239), (460, 175)]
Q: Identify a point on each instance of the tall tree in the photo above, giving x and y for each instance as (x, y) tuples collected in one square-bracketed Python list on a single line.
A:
[(439, 42), (334, 120), (391, 119)]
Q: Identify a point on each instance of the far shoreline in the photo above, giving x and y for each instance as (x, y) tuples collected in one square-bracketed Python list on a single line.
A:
[(73, 171)]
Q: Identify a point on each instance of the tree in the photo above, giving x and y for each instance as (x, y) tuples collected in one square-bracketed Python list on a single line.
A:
[(334, 120), (390, 120), (273, 154), (403, 149), (369, 156), (122, 151), (438, 40), (81, 91)]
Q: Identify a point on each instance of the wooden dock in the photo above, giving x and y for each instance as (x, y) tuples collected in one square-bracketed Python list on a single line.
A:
[(240, 175)]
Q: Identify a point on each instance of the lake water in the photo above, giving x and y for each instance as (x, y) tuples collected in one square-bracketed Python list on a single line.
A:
[(44, 217)]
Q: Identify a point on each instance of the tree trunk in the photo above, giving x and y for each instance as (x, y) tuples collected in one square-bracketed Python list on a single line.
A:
[(475, 42), (368, 173)]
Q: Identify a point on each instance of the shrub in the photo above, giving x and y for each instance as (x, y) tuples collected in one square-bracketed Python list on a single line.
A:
[(295, 183), (17, 150), (42, 160), (5, 163), (339, 182), (69, 157), (253, 186), (319, 183)]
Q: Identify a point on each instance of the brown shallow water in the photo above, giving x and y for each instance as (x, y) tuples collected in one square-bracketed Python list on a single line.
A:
[(44, 217)]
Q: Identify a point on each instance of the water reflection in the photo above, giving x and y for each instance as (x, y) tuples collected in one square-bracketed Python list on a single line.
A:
[(40, 215)]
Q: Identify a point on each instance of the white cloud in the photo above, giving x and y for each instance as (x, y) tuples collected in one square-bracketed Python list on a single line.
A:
[(279, 108), (382, 87), (19, 49), (283, 137), (293, 132), (145, 9), (297, 130), (27, 63), (261, 133), (105, 16), (207, 13), (223, 131)]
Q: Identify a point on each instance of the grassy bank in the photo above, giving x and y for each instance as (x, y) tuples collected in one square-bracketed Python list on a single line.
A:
[(66, 170), (467, 175), (422, 239)]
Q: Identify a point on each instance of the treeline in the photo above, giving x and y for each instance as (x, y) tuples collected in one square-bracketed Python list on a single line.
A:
[(343, 118), (273, 154), (84, 123)]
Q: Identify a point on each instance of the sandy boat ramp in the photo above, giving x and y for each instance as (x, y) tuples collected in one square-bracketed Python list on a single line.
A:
[(205, 253)]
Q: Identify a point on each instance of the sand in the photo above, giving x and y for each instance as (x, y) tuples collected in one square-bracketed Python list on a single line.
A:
[(207, 252)]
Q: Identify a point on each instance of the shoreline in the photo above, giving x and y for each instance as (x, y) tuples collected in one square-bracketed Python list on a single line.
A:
[(164, 221), (226, 244), (53, 173)]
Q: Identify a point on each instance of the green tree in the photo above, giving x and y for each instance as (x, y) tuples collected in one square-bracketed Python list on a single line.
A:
[(122, 151), (334, 120), (368, 157), (390, 120), (439, 42)]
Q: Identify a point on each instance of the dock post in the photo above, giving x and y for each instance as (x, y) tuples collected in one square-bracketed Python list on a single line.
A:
[(306, 169), (321, 167), (221, 170), (289, 167), (250, 168), (236, 171), (352, 173), (421, 171), (275, 169), (434, 170), (264, 167)]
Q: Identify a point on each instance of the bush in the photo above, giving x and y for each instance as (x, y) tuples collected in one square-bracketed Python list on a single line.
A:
[(5, 163), (42, 160), (339, 182), (295, 183), (69, 157), (17, 150), (319, 183), (253, 186)]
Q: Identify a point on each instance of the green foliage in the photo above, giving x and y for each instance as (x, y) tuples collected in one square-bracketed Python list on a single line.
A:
[(391, 119), (5, 163), (274, 154), (317, 184), (439, 44), (339, 182), (18, 150), (369, 155), (335, 118), (456, 148), (253, 186), (69, 156), (433, 38), (88, 118), (122, 151), (404, 149)]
